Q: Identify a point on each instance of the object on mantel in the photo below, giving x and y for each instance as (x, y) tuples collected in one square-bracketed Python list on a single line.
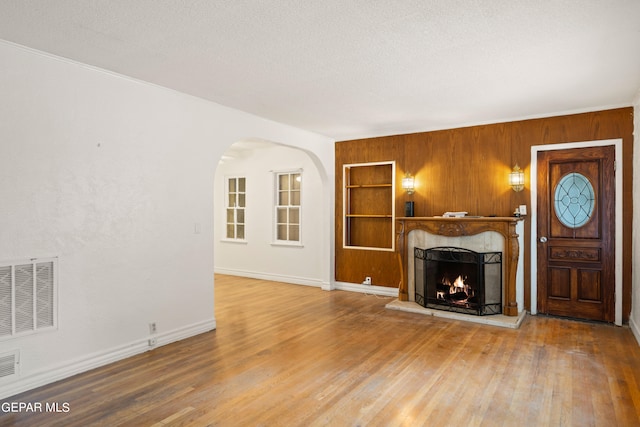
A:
[(454, 214)]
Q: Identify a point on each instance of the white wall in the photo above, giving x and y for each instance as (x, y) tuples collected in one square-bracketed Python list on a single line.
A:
[(258, 257), (634, 319), (111, 175)]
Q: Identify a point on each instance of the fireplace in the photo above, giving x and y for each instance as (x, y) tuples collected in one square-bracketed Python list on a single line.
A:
[(458, 280)]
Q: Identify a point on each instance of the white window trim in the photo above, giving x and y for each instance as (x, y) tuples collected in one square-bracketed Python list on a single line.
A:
[(238, 241), (226, 206), (275, 241)]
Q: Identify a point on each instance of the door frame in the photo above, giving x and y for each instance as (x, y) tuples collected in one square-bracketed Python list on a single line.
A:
[(618, 216)]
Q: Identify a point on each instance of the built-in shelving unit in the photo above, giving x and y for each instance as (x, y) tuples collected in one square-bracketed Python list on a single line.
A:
[(369, 208)]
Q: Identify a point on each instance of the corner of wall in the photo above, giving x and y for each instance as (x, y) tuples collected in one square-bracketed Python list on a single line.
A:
[(634, 328), (634, 317)]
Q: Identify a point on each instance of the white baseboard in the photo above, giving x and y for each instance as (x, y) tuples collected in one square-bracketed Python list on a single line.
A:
[(634, 328), (273, 277), (83, 364), (343, 286), (367, 289)]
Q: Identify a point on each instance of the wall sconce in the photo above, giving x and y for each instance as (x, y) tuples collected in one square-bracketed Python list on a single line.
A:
[(408, 183), (516, 178)]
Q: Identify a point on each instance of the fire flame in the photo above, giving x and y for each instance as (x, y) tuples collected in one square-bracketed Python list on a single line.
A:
[(457, 287)]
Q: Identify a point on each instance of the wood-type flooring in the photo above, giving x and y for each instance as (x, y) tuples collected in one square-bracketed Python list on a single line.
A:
[(290, 355)]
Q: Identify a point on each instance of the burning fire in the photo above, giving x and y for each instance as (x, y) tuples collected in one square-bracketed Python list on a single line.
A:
[(458, 293)]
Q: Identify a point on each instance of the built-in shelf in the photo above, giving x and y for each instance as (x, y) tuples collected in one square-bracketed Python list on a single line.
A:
[(368, 216), (369, 186), (369, 208)]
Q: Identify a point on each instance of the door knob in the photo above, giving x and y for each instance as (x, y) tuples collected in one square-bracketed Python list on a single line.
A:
[(543, 239)]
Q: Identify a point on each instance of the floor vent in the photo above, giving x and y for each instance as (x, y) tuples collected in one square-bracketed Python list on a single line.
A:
[(8, 364)]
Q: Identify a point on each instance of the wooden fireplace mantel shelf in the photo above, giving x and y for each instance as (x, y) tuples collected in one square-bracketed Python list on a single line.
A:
[(464, 226)]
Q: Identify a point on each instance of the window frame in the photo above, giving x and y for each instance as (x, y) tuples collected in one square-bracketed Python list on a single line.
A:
[(227, 207), (289, 207)]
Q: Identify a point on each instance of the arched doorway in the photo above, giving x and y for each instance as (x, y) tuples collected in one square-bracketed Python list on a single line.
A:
[(245, 242)]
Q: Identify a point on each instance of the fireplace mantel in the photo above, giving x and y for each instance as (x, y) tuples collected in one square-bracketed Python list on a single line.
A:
[(465, 226)]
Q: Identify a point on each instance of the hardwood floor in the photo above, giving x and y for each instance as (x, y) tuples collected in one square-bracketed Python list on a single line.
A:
[(287, 355)]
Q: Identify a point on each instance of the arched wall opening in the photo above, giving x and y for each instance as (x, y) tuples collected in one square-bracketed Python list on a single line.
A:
[(257, 254)]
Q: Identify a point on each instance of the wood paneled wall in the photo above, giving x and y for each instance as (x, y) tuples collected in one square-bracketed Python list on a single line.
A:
[(466, 169)]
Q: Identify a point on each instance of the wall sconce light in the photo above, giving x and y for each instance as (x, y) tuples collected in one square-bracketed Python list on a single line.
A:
[(516, 178), (408, 183)]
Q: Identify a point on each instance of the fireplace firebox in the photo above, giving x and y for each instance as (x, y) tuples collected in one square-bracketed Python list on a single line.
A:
[(459, 280)]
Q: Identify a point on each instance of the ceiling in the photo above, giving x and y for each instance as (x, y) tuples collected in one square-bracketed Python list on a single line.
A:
[(358, 68)]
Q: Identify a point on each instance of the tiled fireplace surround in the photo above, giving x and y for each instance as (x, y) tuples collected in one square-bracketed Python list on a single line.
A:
[(479, 234)]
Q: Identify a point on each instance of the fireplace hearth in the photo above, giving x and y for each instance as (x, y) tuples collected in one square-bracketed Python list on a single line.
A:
[(458, 280)]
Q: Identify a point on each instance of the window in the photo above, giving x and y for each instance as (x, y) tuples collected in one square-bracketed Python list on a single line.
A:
[(574, 200), (27, 296), (236, 206), (288, 205)]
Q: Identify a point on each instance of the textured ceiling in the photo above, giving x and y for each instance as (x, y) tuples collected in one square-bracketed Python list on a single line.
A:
[(358, 68)]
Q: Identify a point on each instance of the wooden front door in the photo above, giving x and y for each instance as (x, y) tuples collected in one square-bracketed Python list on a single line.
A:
[(576, 232)]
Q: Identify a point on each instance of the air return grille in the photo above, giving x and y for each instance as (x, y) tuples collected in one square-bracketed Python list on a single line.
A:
[(8, 364), (27, 296)]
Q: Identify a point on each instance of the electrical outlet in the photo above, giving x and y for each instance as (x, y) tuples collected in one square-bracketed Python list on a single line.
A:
[(152, 342), (152, 328)]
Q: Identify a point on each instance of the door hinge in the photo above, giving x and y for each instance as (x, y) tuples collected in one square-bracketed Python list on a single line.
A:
[(615, 166)]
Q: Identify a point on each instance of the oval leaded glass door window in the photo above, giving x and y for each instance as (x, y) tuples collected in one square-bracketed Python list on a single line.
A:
[(574, 200)]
